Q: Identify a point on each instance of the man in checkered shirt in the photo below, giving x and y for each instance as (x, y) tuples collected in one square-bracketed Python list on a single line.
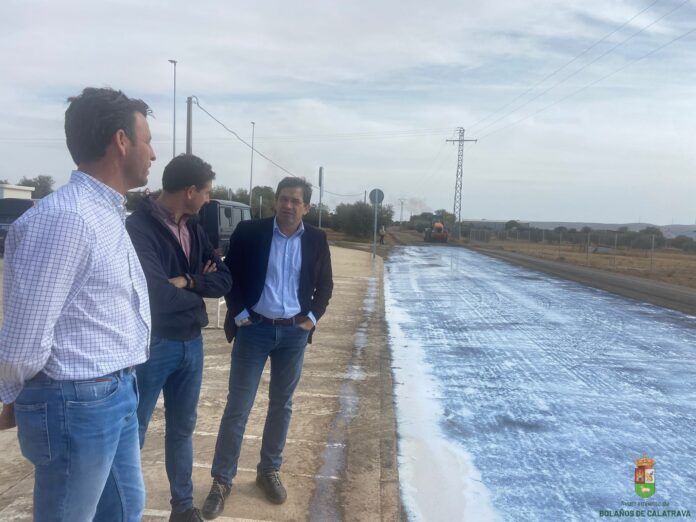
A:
[(77, 320)]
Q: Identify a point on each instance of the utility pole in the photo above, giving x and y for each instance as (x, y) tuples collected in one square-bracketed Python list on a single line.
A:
[(251, 170), (174, 62), (189, 124), (365, 198), (401, 217), (321, 190), (458, 182)]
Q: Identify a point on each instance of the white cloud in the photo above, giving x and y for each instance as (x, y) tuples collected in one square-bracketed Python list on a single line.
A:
[(318, 68)]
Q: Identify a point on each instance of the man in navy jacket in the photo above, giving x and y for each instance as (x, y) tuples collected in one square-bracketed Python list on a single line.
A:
[(282, 283), (181, 268)]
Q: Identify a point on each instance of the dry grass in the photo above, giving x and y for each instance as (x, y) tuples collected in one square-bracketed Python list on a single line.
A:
[(669, 266)]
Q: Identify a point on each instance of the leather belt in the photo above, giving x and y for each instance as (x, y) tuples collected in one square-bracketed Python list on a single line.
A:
[(277, 322)]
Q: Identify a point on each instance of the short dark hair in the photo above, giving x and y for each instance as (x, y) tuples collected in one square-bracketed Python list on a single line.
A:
[(94, 116), (296, 182), (186, 170)]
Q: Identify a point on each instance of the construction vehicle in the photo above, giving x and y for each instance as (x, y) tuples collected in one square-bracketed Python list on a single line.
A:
[(436, 234)]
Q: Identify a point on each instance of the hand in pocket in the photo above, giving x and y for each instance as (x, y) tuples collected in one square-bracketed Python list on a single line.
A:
[(7, 417)]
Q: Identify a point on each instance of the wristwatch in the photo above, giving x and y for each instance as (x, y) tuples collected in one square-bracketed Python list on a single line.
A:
[(190, 282)]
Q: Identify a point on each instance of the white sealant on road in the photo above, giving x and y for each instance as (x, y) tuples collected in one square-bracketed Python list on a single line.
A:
[(543, 389), (438, 479)]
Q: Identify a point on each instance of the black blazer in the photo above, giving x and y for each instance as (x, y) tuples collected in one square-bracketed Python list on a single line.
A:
[(247, 259)]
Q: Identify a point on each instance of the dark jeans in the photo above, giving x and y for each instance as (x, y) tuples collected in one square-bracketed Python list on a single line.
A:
[(175, 367), (82, 437), (254, 344)]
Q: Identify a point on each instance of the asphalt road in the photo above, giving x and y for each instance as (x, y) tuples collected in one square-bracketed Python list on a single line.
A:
[(523, 396)]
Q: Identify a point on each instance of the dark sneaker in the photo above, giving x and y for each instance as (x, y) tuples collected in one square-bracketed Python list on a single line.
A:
[(269, 482), (190, 515), (215, 501)]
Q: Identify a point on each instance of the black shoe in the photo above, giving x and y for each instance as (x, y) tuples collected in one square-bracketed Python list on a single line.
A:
[(215, 501), (269, 482), (190, 515)]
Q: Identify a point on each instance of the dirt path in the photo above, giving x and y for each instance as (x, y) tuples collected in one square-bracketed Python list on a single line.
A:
[(340, 459)]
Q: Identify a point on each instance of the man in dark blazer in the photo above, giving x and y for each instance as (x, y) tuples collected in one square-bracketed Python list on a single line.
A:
[(281, 286)]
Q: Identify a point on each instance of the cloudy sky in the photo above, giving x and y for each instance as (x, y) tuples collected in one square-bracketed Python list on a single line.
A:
[(584, 111)]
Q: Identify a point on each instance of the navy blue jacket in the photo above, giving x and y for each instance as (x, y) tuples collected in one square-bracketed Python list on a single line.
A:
[(177, 313), (247, 259)]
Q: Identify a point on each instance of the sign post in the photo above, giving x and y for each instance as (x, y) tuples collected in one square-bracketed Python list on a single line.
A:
[(376, 198)]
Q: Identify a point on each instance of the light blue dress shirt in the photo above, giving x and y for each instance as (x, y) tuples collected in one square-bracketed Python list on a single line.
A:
[(279, 298), (75, 296)]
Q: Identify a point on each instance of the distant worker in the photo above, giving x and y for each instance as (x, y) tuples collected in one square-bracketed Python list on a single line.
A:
[(77, 320), (181, 268), (382, 233), (281, 286)]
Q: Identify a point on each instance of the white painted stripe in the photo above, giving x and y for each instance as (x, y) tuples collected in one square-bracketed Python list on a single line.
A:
[(224, 387), (159, 513), (250, 470), (305, 373), (288, 441)]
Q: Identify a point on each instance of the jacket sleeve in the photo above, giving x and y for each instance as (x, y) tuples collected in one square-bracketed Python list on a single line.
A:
[(214, 284), (163, 294), (234, 259), (324, 284)]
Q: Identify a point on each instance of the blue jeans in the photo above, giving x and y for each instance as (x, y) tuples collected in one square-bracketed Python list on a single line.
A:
[(176, 368), (254, 344), (82, 437)]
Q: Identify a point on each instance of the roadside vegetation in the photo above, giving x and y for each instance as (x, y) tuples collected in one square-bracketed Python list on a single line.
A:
[(645, 253)]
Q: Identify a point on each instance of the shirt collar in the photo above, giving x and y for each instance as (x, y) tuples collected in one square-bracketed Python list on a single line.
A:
[(298, 232), (108, 194), (166, 214)]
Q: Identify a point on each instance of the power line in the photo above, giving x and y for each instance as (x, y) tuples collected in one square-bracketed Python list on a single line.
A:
[(583, 67), (343, 195), (566, 64), (587, 86), (241, 139), (353, 137), (387, 135)]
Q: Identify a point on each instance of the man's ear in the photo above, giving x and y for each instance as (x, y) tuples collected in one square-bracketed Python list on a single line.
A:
[(190, 191), (121, 141)]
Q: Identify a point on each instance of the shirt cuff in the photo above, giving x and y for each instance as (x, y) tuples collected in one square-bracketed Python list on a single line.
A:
[(244, 314), (199, 283), (312, 318)]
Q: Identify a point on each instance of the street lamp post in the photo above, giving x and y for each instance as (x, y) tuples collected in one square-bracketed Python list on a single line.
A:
[(173, 62), (251, 170)]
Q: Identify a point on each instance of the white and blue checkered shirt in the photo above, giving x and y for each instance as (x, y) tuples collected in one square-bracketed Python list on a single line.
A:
[(75, 296)]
